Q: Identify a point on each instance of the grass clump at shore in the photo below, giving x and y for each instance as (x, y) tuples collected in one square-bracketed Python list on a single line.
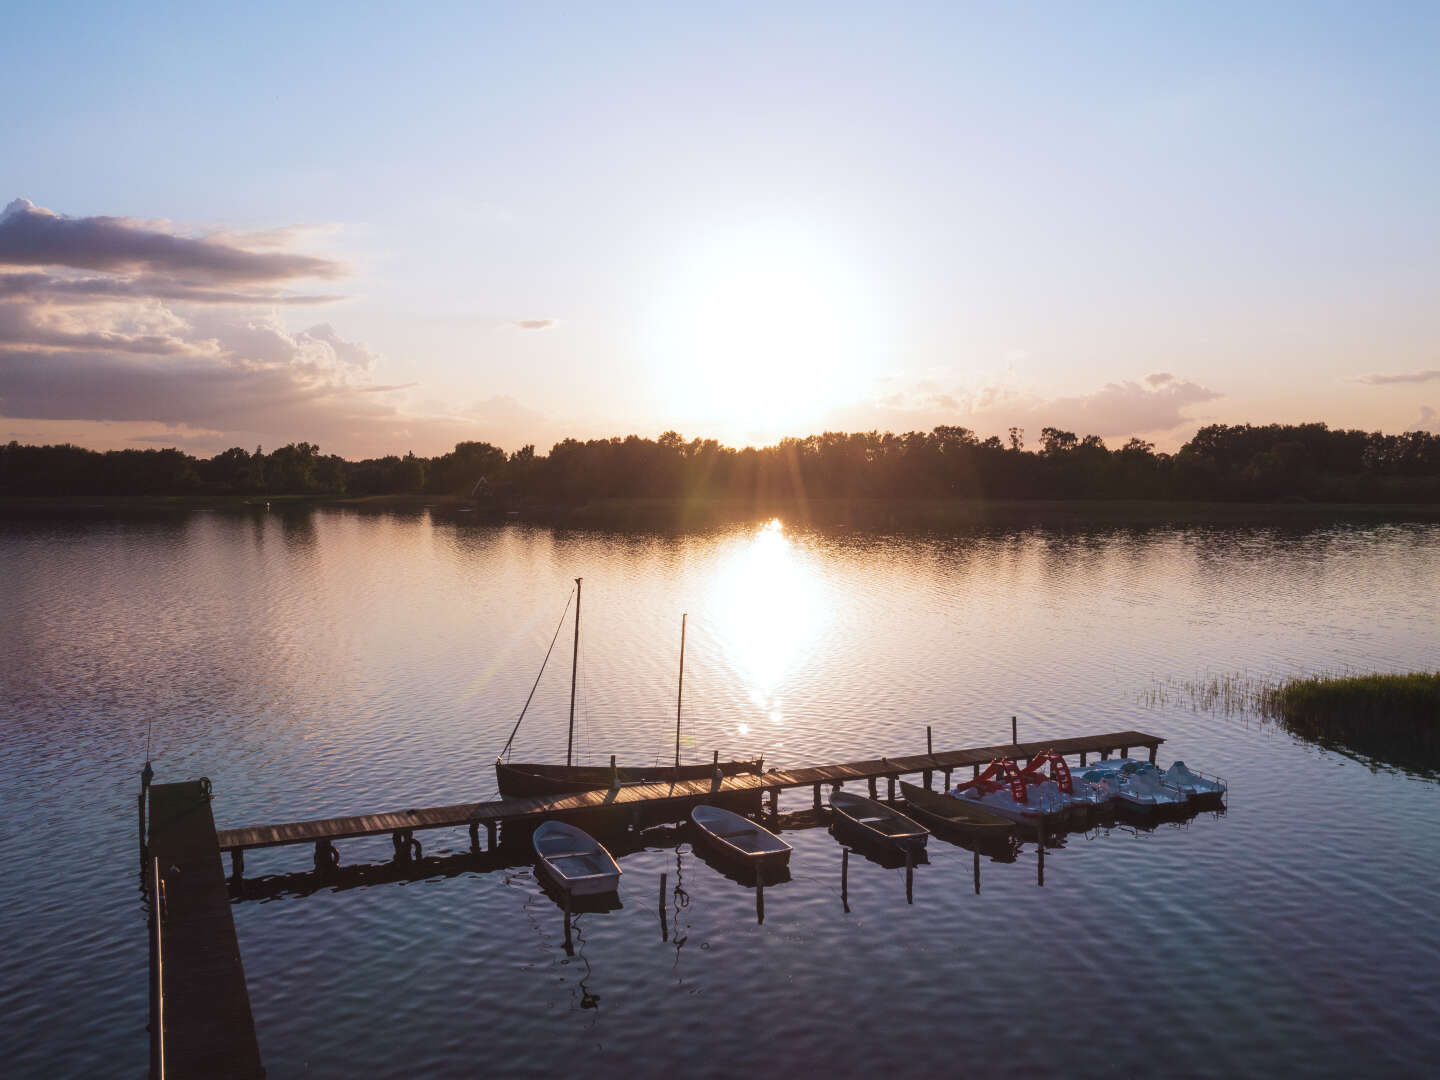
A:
[(1393, 718)]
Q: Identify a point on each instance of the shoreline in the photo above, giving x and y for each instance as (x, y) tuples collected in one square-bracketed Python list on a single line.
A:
[(687, 514)]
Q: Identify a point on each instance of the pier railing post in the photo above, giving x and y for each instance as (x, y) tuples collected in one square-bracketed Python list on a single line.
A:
[(1014, 732), (817, 797)]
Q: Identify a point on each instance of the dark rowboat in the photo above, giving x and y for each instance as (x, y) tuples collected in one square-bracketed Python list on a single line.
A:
[(516, 780), (956, 815), (875, 823), (739, 839)]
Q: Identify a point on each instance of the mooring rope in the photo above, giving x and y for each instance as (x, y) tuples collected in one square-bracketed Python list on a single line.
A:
[(548, 651)]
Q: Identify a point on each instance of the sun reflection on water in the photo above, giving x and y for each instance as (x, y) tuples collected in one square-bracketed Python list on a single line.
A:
[(769, 611)]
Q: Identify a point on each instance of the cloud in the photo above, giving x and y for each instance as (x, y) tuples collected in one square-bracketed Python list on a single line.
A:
[(1379, 379), (54, 288), (31, 235), (535, 324), (1428, 421)]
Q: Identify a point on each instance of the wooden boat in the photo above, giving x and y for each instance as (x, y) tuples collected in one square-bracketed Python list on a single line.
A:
[(574, 861), (739, 839), (517, 780), (521, 780), (961, 816), (875, 823)]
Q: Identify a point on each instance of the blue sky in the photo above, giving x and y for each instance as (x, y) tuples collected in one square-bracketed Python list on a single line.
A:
[(1125, 219)]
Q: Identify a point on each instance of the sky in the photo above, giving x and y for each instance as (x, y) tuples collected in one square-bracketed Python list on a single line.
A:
[(392, 228)]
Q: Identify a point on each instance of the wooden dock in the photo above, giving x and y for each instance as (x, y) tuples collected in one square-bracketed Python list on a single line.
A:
[(665, 801), (201, 1023)]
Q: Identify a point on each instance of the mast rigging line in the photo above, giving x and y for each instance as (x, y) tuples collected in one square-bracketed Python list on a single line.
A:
[(506, 749)]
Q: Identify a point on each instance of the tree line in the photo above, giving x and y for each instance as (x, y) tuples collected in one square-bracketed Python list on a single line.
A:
[(1221, 462)]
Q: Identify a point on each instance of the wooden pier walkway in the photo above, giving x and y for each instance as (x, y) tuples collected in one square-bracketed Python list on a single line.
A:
[(664, 801), (201, 1023)]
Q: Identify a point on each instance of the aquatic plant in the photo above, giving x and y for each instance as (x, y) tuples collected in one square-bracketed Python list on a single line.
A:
[(1393, 718), (1388, 718)]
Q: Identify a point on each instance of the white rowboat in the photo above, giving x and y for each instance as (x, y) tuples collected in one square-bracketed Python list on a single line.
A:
[(574, 861)]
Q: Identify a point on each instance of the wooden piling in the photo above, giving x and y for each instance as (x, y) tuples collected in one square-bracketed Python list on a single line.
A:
[(873, 792), (143, 860), (1014, 732), (817, 797), (1152, 754), (890, 787), (929, 743)]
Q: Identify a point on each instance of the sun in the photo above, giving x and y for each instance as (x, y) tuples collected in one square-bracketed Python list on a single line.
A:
[(762, 330)]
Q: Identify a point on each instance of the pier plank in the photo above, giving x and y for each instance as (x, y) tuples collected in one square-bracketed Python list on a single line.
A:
[(209, 1030), (679, 793)]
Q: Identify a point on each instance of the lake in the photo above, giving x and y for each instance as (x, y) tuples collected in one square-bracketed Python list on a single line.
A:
[(324, 662)]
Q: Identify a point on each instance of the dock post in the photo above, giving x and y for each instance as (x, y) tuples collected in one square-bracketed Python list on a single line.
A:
[(1082, 759), (1104, 755), (890, 787), (1014, 732), (614, 774), (664, 924), (845, 878), (1153, 748), (142, 830), (1124, 751), (974, 772), (947, 779), (926, 776), (490, 831), (569, 945), (817, 797), (326, 857), (774, 804), (873, 792), (474, 838), (237, 866), (929, 743), (909, 876)]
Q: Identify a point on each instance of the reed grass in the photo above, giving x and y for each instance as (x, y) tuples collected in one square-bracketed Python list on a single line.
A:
[(1393, 719)]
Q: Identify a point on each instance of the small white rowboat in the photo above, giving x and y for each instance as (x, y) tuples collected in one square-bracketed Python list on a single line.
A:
[(574, 860)]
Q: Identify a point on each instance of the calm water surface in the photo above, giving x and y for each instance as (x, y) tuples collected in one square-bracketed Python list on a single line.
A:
[(320, 663)]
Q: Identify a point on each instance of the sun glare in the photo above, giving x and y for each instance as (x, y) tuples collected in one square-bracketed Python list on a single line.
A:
[(769, 606), (761, 331)]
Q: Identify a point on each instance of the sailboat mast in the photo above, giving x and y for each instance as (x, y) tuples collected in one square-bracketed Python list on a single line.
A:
[(680, 691), (574, 668)]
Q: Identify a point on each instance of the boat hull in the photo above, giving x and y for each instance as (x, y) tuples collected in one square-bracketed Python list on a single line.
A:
[(739, 841), (954, 815), (573, 861), (877, 825)]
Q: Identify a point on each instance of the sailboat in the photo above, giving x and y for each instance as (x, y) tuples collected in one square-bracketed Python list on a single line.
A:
[(522, 779)]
